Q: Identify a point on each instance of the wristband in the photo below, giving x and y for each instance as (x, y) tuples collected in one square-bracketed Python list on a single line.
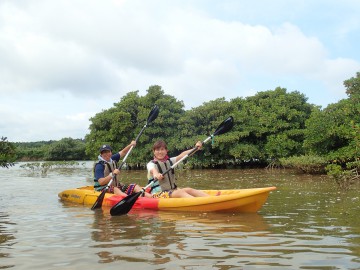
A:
[(111, 174)]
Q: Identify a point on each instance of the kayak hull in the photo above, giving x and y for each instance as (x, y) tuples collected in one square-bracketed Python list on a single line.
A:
[(238, 200)]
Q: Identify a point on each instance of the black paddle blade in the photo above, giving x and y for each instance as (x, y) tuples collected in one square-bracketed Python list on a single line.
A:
[(153, 114), (124, 206), (225, 126), (99, 200)]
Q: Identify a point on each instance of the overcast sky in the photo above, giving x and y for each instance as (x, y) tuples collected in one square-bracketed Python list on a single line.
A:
[(61, 62)]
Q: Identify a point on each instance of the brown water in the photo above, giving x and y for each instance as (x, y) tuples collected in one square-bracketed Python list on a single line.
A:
[(307, 223)]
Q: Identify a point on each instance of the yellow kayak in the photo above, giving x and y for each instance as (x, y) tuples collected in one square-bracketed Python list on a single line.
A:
[(236, 200)]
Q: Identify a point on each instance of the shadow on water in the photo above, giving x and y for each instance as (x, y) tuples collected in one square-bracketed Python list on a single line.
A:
[(160, 237)]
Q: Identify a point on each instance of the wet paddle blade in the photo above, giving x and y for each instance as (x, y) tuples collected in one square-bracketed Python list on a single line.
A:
[(124, 206), (153, 114), (225, 126), (99, 200)]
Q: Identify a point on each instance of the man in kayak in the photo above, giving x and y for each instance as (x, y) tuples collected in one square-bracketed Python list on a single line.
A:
[(166, 186), (106, 168)]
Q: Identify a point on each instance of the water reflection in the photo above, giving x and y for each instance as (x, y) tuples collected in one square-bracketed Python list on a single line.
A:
[(6, 239), (306, 223), (159, 237)]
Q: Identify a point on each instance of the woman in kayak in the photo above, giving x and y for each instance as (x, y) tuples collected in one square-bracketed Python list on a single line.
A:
[(166, 186), (106, 168)]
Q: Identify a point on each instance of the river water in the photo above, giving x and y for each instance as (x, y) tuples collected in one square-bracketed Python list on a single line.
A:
[(307, 223)]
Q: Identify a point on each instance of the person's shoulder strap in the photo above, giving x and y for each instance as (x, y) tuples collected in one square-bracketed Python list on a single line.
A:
[(102, 162), (98, 162)]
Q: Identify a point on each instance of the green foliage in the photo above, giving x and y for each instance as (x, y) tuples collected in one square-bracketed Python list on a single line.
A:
[(330, 132), (306, 163), (352, 86), (335, 131), (7, 153), (31, 151), (66, 149), (344, 178), (282, 145), (166, 126), (119, 125), (198, 124), (246, 152), (272, 122)]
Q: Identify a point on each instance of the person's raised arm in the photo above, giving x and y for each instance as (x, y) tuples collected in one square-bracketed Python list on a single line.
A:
[(198, 145), (126, 149)]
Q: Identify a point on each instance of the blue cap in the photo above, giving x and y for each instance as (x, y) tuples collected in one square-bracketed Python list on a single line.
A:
[(105, 147)]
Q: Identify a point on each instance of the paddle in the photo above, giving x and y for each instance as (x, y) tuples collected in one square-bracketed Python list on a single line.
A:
[(125, 205), (152, 116)]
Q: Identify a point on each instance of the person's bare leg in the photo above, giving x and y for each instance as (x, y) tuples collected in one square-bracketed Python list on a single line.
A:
[(180, 193), (117, 191), (138, 189), (195, 192)]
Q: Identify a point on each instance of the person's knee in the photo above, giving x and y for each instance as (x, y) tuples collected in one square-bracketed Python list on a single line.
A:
[(180, 193), (117, 191)]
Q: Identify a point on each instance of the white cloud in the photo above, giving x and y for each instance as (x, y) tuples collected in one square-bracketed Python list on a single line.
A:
[(64, 62)]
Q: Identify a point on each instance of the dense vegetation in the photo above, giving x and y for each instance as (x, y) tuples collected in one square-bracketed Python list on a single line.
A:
[(272, 128), (63, 150), (267, 126), (7, 153)]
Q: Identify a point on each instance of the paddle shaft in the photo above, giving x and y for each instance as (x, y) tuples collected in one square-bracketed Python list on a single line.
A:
[(224, 127), (152, 116)]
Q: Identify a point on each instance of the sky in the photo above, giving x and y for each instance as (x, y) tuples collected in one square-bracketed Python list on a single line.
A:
[(62, 62)]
